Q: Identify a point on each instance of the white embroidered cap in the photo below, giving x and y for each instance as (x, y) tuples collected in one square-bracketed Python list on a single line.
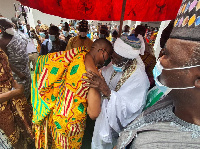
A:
[(129, 46)]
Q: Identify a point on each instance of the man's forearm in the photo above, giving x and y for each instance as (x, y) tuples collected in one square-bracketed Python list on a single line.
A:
[(9, 95)]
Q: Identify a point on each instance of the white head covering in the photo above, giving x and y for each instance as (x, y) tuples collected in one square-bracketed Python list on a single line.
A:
[(11, 30), (129, 47)]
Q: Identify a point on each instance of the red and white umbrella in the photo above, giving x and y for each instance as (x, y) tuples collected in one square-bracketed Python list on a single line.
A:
[(108, 10)]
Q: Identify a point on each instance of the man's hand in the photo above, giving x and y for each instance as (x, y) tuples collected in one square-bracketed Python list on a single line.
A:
[(97, 81), (18, 87), (19, 90)]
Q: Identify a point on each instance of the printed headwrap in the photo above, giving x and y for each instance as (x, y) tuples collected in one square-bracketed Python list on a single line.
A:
[(8, 28), (187, 22), (44, 27)]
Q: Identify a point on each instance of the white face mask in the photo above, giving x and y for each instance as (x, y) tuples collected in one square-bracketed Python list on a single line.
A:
[(65, 33), (113, 39), (157, 72), (52, 37), (10, 31), (117, 69), (42, 34)]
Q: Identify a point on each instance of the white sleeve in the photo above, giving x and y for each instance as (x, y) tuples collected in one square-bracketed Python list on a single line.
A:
[(126, 104)]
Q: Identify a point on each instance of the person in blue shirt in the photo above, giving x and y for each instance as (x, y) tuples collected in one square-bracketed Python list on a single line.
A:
[(53, 44)]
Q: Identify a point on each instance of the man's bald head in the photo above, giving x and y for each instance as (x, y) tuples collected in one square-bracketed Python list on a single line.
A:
[(184, 51), (180, 53), (195, 59), (102, 44)]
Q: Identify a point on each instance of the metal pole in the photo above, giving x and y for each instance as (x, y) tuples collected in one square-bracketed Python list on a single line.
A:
[(122, 17)]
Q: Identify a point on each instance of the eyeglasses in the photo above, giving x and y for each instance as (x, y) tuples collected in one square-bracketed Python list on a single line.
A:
[(106, 62), (104, 50)]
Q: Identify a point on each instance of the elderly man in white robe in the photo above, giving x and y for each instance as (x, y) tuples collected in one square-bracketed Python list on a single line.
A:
[(123, 90)]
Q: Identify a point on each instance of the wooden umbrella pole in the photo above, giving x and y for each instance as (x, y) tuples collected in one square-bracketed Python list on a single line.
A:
[(122, 17)]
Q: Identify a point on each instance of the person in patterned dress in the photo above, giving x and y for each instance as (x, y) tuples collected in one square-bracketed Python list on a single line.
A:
[(15, 112), (14, 44), (60, 101)]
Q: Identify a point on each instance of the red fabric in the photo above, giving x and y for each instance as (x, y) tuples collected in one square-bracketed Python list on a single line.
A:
[(108, 10)]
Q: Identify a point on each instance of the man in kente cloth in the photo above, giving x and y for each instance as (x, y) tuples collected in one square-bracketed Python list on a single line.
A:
[(60, 101)]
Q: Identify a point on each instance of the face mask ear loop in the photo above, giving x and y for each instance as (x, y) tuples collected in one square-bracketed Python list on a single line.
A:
[(181, 68), (168, 88)]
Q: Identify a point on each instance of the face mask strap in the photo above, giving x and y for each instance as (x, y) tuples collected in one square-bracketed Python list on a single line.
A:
[(165, 89), (181, 68), (183, 88), (169, 88)]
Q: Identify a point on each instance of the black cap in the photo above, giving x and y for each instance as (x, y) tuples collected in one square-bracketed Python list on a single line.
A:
[(187, 22)]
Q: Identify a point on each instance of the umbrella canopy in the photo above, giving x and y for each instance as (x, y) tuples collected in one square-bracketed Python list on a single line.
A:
[(108, 10)]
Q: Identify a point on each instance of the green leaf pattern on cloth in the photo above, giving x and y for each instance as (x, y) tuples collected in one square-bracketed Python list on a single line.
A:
[(54, 70), (74, 69), (57, 125), (81, 107)]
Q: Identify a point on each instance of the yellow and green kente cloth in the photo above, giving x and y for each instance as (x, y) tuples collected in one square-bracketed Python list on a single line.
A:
[(59, 99)]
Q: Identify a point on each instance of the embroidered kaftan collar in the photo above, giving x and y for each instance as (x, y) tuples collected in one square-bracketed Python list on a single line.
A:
[(125, 76), (162, 115)]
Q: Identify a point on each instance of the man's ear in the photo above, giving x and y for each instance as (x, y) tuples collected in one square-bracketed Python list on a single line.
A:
[(197, 83)]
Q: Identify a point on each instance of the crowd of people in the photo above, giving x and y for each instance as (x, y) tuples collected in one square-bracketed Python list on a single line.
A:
[(93, 88)]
